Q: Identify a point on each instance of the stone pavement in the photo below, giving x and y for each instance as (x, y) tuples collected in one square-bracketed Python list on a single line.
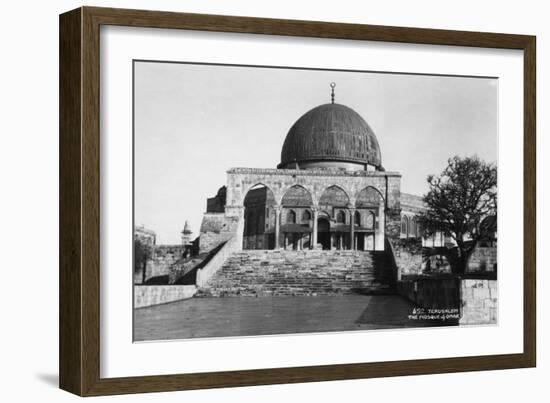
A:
[(248, 316)]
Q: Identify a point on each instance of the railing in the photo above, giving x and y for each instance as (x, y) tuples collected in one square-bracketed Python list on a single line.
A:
[(395, 268), (149, 295), (211, 266)]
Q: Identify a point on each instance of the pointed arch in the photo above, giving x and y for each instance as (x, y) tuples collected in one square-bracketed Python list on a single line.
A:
[(270, 195), (369, 196), (357, 218), (334, 196), (419, 231), (404, 225), (290, 217), (297, 196), (412, 227), (370, 220), (258, 201)]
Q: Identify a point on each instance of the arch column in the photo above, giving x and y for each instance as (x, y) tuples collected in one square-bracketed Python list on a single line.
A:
[(237, 211), (352, 228), (315, 227), (278, 210), (380, 231)]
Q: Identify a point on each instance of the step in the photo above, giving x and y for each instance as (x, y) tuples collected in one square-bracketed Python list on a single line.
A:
[(262, 272)]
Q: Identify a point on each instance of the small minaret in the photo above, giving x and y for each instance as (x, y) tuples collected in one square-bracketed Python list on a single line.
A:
[(186, 234)]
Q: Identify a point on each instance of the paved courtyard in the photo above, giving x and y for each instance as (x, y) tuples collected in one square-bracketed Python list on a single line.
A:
[(247, 316)]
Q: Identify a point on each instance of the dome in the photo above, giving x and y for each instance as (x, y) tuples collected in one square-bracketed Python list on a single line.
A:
[(331, 135)]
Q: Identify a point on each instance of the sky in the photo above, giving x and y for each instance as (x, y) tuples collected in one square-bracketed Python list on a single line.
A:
[(193, 122)]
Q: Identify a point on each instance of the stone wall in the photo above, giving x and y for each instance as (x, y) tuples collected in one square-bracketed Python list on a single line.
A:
[(483, 259), (432, 293), (475, 299), (312, 272), (215, 229), (479, 302), (407, 253), (411, 260), (216, 260), (393, 223), (163, 257), (216, 204), (148, 295)]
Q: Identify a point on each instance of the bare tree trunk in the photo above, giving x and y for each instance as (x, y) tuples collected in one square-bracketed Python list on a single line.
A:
[(464, 257), (461, 262)]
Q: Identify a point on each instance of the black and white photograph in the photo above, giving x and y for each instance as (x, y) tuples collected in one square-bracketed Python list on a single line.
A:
[(242, 201), (270, 200)]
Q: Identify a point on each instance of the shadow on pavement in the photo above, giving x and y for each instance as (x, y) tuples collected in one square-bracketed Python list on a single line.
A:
[(394, 311)]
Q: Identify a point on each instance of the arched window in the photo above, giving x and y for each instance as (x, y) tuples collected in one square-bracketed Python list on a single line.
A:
[(306, 216), (357, 218), (404, 225), (291, 217), (370, 220), (412, 229), (341, 217)]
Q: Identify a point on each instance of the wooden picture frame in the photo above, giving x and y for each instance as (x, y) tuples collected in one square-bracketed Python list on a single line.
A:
[(79, 348)]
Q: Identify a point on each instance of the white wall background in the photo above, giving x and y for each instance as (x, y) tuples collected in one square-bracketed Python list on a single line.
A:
[(29, 198)]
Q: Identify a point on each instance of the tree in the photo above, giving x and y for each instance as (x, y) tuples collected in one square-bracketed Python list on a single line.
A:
[(142, 253), (458, 201)]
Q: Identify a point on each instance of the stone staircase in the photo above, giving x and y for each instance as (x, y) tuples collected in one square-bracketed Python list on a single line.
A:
[(311, 272)]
